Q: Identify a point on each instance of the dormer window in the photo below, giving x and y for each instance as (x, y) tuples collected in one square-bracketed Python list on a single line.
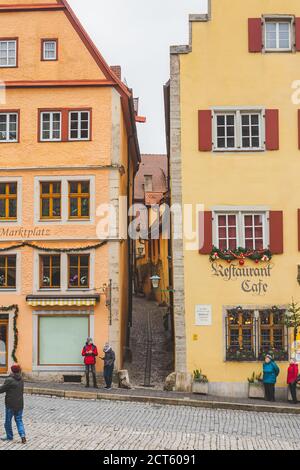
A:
[(148, 183), (49, 49)]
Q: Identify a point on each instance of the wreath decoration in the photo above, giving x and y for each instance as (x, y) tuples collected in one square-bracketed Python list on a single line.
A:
[(240, 255)]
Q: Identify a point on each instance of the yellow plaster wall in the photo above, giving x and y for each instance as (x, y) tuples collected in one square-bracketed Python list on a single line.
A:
[(221, 72)]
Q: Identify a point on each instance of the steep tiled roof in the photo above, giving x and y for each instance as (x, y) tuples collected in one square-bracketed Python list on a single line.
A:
[(155, 165)]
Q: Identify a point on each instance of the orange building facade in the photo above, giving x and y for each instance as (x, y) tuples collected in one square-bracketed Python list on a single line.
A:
[(68, 148)]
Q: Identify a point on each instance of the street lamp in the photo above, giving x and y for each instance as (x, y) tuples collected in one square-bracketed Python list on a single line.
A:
[(155, 281), (141, 250)]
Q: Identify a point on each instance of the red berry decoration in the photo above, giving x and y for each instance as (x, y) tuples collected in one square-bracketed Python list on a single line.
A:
[(242, 262)]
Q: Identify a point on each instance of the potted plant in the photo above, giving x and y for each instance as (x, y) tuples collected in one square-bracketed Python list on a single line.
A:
[(200, 383), (256, 386)]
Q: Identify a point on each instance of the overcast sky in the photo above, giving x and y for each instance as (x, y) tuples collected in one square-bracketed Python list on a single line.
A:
[(137, 34)]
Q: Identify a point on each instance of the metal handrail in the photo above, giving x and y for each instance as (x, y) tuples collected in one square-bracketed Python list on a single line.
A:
[(148, 364)]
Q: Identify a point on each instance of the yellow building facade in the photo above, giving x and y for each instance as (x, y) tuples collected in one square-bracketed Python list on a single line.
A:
[(65, 156), (234, 147)]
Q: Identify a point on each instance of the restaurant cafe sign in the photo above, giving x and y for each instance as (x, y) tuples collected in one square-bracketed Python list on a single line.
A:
[(253, 280)]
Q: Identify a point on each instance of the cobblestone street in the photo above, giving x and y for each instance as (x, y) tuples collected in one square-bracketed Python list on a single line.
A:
[(54, 423), (162, 360)]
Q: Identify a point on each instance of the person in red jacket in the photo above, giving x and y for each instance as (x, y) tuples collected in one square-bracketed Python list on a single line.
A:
[(292, 379), (90, 353)]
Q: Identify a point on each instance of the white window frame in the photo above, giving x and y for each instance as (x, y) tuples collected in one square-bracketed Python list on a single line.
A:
[(279, 20), (79, 113), (49, 41), (240, 212), (239, 112), (35, 334), (64, 219), (9, 41), (64, 266), (7, 139), (51, 139)]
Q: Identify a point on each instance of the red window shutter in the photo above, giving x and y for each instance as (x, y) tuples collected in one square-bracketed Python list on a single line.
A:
[(205, 232), (205, 130), (297, 34), (299, 129), (255, 34), (276, 232), (298, 229), (272, 129)]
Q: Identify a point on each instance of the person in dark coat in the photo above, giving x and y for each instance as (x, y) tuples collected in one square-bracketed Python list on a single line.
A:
[(13, 387), (292, 379), (90, 352), (270, 374), (109, 363)]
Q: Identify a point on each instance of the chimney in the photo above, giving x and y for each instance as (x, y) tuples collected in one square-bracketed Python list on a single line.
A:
[(117, 71), (136, 105)]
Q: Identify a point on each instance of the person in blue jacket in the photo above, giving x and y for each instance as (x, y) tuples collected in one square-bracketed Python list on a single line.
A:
[(270, 374)]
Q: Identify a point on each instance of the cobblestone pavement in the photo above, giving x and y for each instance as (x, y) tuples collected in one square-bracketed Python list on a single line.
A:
[(54, 423), (162, 360)]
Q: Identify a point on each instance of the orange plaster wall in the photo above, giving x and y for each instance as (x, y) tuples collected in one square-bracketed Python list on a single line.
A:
[(31, 152), (75, 62)]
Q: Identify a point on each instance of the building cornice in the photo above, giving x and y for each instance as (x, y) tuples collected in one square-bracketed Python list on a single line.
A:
[(4, 8), (57, 83)]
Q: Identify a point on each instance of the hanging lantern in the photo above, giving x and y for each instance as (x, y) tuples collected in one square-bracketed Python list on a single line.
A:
[(155, 281)]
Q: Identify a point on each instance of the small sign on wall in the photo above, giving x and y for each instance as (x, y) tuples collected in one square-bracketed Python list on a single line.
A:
[(203, 315)]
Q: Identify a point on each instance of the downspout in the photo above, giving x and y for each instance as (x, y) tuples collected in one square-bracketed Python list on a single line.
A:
[(130, 249)]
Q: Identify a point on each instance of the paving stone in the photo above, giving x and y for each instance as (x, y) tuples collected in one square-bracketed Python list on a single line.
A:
[(68, 424), (162, 360)]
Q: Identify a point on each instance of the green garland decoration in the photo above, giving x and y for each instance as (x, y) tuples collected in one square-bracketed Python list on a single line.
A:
[(240, 254), (56, 250), (15, 308)]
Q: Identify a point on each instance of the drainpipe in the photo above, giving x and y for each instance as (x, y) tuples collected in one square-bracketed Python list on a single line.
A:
[(129, 252)]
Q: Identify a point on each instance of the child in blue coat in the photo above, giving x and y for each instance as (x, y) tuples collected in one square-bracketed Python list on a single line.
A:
[(270, 374)]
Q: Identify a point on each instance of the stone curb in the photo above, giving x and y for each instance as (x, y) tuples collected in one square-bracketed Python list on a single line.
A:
[(163, 401)]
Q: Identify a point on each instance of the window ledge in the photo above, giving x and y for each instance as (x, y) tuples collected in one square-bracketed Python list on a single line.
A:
[(239, 151), (9, 222)]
